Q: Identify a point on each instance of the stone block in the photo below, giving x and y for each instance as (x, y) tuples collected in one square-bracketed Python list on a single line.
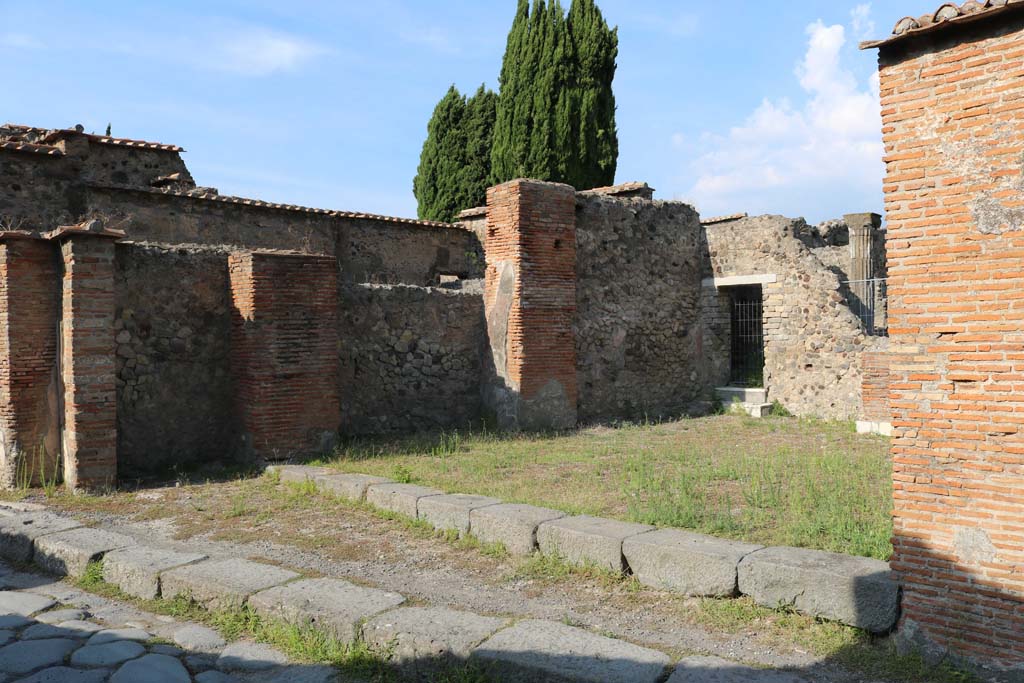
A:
[(335, 606), (401, 498), (136, 570), (717, 670), (70, 552), (588, 540), (513, 525), (297, 474), (222, 583), (857, 591), (452, 511), (416, 636), (688, 563), (22, 605), (18, 532), (349, 486), (535, 650)]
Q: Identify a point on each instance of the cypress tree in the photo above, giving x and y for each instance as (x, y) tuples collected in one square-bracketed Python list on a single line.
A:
[(511, 127), (596, 49), (478, 126)]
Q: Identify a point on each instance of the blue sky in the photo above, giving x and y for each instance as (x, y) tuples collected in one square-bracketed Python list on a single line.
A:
[(734, 106)]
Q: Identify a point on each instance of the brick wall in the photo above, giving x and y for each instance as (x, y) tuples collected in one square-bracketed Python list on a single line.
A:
[(284, 353), (875, 386), (953, 122), (29, 421), (530, 303), (87, 362)]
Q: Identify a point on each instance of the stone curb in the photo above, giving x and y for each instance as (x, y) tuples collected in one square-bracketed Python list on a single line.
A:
[(856, 591)]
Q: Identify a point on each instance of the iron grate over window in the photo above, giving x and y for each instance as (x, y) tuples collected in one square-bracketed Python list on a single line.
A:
[(747, 353)]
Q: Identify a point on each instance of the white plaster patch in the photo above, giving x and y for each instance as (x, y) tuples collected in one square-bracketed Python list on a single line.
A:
[(973, 546)]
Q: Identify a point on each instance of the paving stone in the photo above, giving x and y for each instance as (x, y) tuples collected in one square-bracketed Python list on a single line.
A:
[(83, 627), (350, 486), (244, 656), (194, 637), (201, 662), (152, 669), (112, 635), (70, 552), (451, 511), (169, 650), (28, 655), (535, 650), (59, 615), (13, 621), (23, 604), (688, 563), (511, 524), (332, 604), (107, 654), (215, 677), (136, 570), (18, 533), (588, 540), (6, 636), (63, 674), (297, 474), (297, 673), (41, 631), (222, 584), (857, 591), (716, 670), (415, 635), (400, 498)]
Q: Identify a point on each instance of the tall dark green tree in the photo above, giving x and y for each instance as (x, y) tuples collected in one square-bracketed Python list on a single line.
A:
[(455, 163)]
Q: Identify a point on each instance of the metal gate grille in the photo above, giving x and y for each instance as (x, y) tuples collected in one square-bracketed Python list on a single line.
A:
[(747, 359)]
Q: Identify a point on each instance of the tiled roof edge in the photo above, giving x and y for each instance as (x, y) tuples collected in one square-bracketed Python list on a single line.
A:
[(946, 16), (31, 148)]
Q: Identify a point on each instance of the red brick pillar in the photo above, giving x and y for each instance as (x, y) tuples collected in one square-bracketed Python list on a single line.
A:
[(29, 387), (87, 360), (284, 351), (530, 302)]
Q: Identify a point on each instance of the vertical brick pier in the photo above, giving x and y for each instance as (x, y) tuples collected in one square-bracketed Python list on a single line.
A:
[(530, 303), (284, 352)]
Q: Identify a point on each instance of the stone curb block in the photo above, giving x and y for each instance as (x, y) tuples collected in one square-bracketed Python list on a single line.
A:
[(400, 498), (297, 474), (452, 511), (222, 584), (512, 525), (350, 486), (70, 552), (588, 540), (856, 591), (717, 670), (333, 605), (535, 650), (136, 570), (688, 563), (19, 532), (418, 635)]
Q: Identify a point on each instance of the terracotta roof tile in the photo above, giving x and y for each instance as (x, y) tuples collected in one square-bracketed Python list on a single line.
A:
[(947, 15), (622, 188), (31, 148), (55, 135), (475, 212), (722, 219), (227, 199)]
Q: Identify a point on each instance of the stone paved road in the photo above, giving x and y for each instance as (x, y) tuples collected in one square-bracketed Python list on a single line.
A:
[(53, 633)]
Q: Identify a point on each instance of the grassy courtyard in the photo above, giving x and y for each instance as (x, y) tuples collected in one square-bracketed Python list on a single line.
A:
[(776, 481)]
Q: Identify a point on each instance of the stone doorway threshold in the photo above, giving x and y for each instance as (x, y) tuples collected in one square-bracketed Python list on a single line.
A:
[(754, 402)]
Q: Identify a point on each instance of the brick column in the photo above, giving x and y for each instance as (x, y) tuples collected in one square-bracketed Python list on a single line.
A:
[(530, 303), (87, 360), (284, 351), (29, 400)]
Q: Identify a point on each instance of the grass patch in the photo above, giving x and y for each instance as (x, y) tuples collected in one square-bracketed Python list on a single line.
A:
[(775, 481)]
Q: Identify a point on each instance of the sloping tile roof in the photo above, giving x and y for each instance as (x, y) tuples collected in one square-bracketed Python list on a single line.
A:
[(948, 15), (227, 199), (622, 188), (475, 212), (31, 148), (722, 219), (117, 142)]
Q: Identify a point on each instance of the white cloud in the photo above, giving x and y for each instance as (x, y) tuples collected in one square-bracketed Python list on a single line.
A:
[(813, 157), (259, 52), (862, 23), (20, 41)]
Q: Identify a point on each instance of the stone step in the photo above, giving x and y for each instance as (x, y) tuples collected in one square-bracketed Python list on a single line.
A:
[(741, 395), (589, 540)]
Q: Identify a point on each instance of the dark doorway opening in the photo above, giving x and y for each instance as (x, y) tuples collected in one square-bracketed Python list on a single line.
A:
[(747, 353)]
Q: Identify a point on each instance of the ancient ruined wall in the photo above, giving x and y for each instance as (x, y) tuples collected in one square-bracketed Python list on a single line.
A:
[(410, 358), (953, 123), (383, 253), (812, 339), (37, 190), (637, 332), (173, 331)]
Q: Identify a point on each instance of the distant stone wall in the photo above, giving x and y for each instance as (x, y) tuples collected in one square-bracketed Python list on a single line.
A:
[(637, 331), (410, 358), (173, 332)]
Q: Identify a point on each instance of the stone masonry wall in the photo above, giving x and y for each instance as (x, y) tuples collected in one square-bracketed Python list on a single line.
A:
[(953, 124), (637, 332), (410, 359), (812, 339), (175, 390)]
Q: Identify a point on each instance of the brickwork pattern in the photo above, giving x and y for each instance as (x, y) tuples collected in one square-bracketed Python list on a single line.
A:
[(284, 353), (87, 363), (953, 123), (28, 361), (531, 237), (876, 369)]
